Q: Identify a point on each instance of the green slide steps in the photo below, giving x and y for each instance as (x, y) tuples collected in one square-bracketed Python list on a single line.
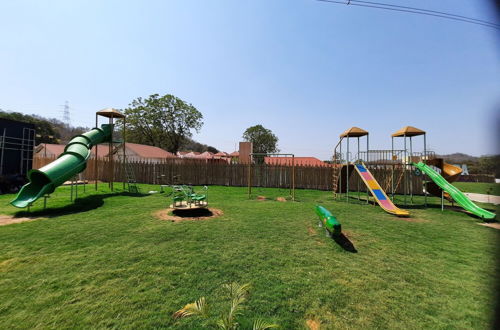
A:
[(71, 162), (456, 194), (329, 221)]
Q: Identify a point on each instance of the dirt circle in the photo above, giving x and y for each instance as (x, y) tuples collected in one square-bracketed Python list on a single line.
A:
[(8, 219), (183, 215)]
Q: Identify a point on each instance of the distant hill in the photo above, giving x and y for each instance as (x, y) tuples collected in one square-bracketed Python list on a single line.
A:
[(459, 157), (489, 164)]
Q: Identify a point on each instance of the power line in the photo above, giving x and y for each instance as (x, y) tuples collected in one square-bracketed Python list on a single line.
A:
[(428, 11), (413, 10)]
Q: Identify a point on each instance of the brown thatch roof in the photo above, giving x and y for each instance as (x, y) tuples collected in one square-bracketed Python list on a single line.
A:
[(408, 131), (354, 132), (110, 113)]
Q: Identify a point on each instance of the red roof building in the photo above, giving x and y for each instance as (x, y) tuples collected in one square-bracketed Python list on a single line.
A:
[(49, 150), (141, 152), (205, 155), (134, 151), (298, 161)]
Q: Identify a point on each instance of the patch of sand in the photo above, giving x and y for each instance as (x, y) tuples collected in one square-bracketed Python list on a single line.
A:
[(313, 324), (8, 220), (281, 199), (311, 231), (420, 220), (495, 225), (166, 214)]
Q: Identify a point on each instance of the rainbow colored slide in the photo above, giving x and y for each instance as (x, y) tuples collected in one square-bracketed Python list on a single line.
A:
[(378, 193)]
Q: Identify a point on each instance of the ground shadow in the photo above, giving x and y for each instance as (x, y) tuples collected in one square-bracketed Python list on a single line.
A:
[(80, 205), (344, 243), (192, 213)]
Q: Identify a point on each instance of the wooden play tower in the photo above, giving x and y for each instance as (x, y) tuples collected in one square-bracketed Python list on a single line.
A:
[(111, 114), (342, 166)]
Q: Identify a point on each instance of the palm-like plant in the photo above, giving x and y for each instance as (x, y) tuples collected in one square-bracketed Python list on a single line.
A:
[(261, 324), (237, 295), (199, 307)]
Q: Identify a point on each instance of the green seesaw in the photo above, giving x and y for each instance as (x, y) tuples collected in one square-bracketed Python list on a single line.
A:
[(327, 220)]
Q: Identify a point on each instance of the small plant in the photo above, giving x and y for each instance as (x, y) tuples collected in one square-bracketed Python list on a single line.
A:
[(237, 295), (199, 307)]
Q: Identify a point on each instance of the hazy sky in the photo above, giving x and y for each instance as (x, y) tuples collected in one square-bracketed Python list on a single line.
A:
[(307, 70)]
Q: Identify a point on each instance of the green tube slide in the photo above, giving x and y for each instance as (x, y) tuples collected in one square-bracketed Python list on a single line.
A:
[(329, 221), (71, 162), (456, 194)]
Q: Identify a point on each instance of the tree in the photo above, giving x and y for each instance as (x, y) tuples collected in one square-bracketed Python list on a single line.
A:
[(489, 165), (191, 145), (162, 121), (46, 132), (263, 139)]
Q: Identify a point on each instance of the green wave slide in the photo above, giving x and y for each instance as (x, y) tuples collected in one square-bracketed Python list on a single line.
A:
[(456, 194), (71, 162)]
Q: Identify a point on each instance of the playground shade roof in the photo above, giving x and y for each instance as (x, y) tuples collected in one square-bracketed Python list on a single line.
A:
[(408, 131), (110, 113), (354, 132)]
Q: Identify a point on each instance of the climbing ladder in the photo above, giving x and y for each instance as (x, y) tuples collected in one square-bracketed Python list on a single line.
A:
[(335, 178), (129, 175), (336, 168), (388, 182), (401, 175)]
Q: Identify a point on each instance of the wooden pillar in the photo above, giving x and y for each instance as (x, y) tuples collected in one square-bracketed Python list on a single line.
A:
[(96, 171), (110, 156), (123, 142), (293, 177)]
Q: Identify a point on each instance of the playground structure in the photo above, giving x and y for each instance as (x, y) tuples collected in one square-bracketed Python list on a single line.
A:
[(345, 164), (407, 133), (184, 197), (43, 181), (257, 161), (403, 165)]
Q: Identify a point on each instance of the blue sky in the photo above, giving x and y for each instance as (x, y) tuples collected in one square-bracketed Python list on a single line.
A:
[(305, 69)]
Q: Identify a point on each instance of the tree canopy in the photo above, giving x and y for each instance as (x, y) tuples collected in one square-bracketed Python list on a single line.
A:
[(263, 139), (47, 130), (162, 121)]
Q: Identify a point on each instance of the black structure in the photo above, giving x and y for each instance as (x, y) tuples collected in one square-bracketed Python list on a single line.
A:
[(17, 143)]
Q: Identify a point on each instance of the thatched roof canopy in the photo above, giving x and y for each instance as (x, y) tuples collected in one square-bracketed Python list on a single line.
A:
[(354, 132), (110, 113), (408, 131)]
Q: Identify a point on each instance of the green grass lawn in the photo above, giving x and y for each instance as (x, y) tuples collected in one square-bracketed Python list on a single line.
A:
[(479, 187), (105, 261)]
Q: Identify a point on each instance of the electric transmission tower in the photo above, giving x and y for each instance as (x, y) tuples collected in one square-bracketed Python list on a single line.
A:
[(66, 117)]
